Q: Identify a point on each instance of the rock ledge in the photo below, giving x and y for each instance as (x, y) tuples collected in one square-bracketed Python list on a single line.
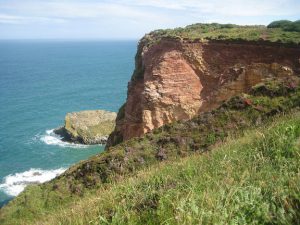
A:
[(87, 127)]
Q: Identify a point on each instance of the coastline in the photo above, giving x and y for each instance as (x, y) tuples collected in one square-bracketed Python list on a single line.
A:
[(35, 104)]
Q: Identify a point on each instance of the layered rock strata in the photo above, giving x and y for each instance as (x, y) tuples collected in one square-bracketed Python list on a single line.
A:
[(87, 127), (176, 79)]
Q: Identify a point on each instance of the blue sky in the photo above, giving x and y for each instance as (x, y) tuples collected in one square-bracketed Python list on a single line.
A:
[(131, 19)]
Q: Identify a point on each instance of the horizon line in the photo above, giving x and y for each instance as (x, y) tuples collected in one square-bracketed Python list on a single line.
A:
[(69, 39)]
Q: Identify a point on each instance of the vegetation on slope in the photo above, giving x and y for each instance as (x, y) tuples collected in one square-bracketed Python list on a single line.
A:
[(275, 32), (168, 143), (251, 180)]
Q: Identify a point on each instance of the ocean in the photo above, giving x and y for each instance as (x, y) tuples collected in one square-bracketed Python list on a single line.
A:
[(40, 81)]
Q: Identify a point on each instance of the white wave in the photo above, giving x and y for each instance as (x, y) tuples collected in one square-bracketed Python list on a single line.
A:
[(50, 138), (14, 184)]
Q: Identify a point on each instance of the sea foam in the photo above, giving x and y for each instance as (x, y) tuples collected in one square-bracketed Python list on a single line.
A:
[(14, 184), (50, 138)]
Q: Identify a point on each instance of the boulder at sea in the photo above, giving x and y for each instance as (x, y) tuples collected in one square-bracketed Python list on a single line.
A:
[(87, 127)]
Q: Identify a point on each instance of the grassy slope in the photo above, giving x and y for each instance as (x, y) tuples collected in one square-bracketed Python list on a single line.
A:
[(168, 143), (251, 180), (254, 179)]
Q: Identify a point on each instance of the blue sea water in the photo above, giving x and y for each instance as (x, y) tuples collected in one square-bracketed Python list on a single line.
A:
[(40, 81)]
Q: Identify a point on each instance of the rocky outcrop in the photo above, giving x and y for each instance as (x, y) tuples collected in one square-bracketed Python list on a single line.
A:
[(87, 127), (175, 79)]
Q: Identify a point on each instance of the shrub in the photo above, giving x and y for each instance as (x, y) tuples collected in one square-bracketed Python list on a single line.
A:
[(286, 25), (229, 25), (279, 24), (295, 26)]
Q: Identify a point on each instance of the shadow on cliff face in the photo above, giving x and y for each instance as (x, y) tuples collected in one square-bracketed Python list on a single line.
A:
[(226, 69)]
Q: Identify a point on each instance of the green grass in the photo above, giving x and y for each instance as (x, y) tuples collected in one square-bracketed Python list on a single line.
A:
[(168, 144), (229, 32), (251, 180)]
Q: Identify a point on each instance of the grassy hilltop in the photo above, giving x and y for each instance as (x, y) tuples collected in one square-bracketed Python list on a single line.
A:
[(286, 32)]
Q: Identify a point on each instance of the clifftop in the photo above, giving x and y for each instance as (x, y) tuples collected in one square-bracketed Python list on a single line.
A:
[(275, 34), (227, 32)]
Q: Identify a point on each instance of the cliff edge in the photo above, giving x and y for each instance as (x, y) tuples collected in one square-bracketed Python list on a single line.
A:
[(179, 74)]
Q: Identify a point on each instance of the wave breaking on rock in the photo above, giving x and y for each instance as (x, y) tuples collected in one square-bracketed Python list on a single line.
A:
[(51, 138), (14, 184)]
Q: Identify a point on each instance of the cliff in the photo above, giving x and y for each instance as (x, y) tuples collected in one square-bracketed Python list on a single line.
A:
[(176, 78)]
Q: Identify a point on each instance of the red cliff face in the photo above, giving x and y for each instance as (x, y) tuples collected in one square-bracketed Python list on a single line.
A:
[(175, 80)]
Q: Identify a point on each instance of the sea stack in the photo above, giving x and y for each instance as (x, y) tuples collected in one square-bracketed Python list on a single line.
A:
[(87, 127)]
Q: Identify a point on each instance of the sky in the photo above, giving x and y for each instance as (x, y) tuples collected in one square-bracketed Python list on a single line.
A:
[(131, 19)]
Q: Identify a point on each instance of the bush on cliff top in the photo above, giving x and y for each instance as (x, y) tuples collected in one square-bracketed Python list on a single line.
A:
[(286, 25)]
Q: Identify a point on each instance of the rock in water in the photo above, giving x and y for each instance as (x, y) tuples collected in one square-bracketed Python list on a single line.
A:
[(87, 127)]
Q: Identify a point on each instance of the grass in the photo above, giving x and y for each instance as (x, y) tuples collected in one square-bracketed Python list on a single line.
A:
[(229, 32), (251, 180), (83, 183)]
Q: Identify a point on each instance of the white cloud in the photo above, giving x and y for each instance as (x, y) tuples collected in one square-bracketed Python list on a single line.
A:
[(77, 10), (11, 19), (57, 11), (225, 7)]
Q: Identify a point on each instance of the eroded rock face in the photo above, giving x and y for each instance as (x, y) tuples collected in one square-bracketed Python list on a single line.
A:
[(175, 80), (88, 127)]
